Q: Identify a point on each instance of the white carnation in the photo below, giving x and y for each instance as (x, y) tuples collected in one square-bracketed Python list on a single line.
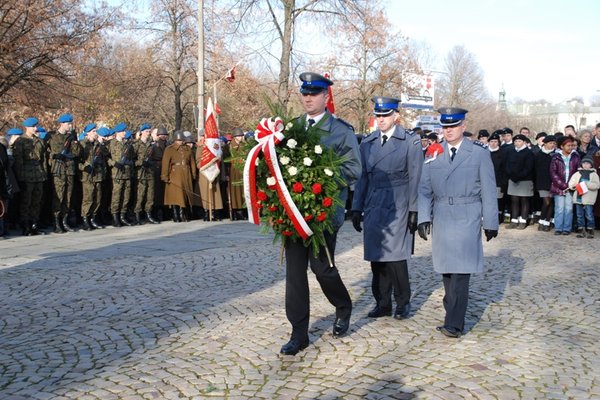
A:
[(328, 172), (318, 149), (292, 144), (284, 160), (307, 161), (271, 181), (292, 171), (289, 126)]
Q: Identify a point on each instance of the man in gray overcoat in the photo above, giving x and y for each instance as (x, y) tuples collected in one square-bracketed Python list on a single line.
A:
[(386, 194), (457, 195)]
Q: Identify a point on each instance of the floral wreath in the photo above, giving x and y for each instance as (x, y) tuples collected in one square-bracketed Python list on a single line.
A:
[(291, 182)]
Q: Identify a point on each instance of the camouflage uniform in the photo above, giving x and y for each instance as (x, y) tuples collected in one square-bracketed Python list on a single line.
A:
[(122, 156), (29, 155), (94, 169), (64, 150), (145, 179)]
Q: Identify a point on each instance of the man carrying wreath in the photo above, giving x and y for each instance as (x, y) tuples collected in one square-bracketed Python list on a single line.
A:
[(339, 136)]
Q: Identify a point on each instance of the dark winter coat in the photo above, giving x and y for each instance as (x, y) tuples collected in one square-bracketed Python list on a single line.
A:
[(519, 165)]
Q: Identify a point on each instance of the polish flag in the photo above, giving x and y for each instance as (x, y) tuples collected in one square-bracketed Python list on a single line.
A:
[(212, 151)]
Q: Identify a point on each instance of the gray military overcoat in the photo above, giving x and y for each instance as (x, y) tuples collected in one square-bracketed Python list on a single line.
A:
[(386, 192), (459, 197)]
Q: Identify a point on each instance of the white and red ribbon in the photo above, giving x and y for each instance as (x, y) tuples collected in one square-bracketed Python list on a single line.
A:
[(269, 133)]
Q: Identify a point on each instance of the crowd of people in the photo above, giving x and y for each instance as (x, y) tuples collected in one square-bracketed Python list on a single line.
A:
[(66, 180), (548, 180)]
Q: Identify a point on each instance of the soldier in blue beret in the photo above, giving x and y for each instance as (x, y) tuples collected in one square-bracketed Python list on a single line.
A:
[(41, 132), (122, 156), (64, 153), (145, 166), (30, 122), (391, 159), (14, 132), (338, 135), (457, 192), (65, 118), (30, 157)]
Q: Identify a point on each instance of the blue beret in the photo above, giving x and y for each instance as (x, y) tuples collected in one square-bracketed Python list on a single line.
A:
[(89, 127), (41, 132), (385, 105), (248, 135), (30, 122), (65, 118), (143, 127), (81, 136), (103, 131), (127, 134), (313, 83), (120, 127), (14, 131), (452, 116)]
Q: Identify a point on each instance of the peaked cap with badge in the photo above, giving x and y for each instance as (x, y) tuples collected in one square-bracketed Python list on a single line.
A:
[(313, 83), (452, 116), (385, 106)]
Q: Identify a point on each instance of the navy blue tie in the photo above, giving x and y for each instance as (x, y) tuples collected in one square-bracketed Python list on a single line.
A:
[(453, 150)]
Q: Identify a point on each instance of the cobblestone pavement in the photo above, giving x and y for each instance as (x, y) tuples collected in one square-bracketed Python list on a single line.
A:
[(196, 310)]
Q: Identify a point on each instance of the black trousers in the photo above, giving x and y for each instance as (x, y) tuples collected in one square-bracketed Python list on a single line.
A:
[(390, 277), (456, 298), (297, 296)]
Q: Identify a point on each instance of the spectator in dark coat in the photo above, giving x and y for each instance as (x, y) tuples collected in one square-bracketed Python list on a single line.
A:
[(498, 159), (519, 169), (542, 181)]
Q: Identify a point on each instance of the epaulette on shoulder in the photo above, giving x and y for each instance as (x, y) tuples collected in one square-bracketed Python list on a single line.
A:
[(345, 123), (478, 143), (417, 141)]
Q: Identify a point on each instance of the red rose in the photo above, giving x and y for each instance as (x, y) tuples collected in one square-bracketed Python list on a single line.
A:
[(316, 188), (321, 217), (297, 187), (309, 217), (259, 204), (327, 202), (262, 196), (273, 208), (280, 221), (287, 233)]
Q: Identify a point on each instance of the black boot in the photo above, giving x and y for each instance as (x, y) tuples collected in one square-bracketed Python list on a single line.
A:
[(138, 218), (124, 220), (26, 230), (590, 233), (58, 228), (35, 228), (176, 214), (65, 222), (116, 221), (150, 219), (183, 215), (95, 223), (86, 224)]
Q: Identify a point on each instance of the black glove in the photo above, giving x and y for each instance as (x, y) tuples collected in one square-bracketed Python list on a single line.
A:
[(490, 234), (147, 164), (424, 228), (88, 169), (356, 217), (412, 221), (59, 156), (119, 166)]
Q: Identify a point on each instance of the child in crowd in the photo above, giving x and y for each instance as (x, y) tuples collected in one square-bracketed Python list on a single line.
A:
[(542, 180), (585, 183), (563, 165)]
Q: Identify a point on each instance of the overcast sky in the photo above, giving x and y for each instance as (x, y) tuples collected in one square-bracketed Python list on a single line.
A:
[(538, 48)]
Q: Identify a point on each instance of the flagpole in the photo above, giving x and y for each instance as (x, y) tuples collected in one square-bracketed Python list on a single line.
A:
[(200, 66)]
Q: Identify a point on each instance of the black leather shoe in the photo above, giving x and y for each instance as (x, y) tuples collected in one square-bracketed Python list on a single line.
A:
[(94, 223), (340, 326), (292, 347), (449, 331), (379, 312), (402, 312)]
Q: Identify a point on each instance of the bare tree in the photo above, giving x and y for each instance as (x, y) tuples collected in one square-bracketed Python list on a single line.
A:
[(41, 40), (462, 84)]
